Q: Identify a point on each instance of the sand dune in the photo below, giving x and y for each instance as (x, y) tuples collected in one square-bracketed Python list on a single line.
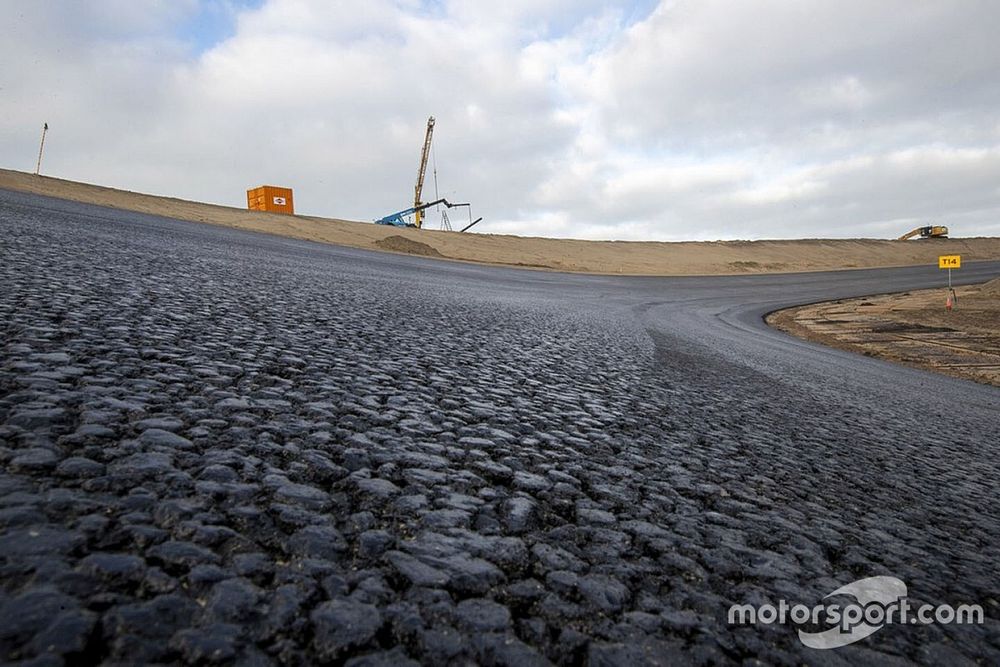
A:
[(615, 257)]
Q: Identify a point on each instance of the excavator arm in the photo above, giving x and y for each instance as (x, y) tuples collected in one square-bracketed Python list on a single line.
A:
[(398, 219), (927, 232)]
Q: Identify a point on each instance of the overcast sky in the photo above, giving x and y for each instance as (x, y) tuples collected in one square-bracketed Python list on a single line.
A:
[(687, 119)]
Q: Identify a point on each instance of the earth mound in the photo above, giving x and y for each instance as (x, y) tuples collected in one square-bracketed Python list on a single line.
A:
[(402, 244)]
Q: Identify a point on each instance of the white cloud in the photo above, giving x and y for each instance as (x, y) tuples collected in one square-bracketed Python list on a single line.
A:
[(702, 119)]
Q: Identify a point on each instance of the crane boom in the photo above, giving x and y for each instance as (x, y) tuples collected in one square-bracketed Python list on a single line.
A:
[(418, 216)]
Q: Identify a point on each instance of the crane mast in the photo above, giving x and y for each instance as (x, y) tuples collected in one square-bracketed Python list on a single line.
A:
[(418, 216)]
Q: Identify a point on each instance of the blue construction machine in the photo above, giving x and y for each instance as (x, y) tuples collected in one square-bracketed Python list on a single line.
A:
[(398, 219)]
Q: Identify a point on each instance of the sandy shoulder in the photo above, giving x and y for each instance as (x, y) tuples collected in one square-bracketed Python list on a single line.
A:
[(607, 257), (913, 328)]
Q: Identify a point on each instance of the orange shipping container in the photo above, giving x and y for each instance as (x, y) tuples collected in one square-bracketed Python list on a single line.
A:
[(270, 198)]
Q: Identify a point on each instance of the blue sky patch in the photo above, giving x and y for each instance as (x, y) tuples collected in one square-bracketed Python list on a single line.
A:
[(213, 22)]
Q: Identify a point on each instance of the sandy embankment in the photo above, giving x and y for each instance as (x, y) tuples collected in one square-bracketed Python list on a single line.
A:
[(913, 328), (634, 258)]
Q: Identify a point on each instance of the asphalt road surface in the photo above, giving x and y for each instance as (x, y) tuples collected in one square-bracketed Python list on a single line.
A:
[(224, 446)]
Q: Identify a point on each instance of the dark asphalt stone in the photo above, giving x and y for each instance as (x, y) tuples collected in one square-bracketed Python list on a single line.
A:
[(647, 652), (52, 358), (308, 497), (481, 615), (377, 488), (317, 542), (525, 591), (320, 468), (157, 581), (171, 424), (373, 543), (495, 649), (257, 566), (115, 568), (373, 590), (519, 514), (204, 576), (335, 586), (594, 517), (531, 482), (214, 644), (417, 573), (158, 437), (79, 467), (477, 443), (94, 432), (177, 555), (393, 658), (442, 643), (411, 504), (174, 512), (144, 536), (233, 601), (37, 419), (20, 516), (563, 582), (27, 615), (495, 472), (354, 459), (140, 632), (341, 625), (143, 465), (550, 557), (232, 404), (421, 477), (437, 519), (36, 459), (44, 540), (469, 576), (604, 593), (67, 633), (284, 611), (359, 521), (510, 553)]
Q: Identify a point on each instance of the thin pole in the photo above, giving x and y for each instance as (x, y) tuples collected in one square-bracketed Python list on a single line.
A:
[(41, 147)]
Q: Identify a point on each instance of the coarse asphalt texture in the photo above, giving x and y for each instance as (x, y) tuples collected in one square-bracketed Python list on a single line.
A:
[(222, 446)]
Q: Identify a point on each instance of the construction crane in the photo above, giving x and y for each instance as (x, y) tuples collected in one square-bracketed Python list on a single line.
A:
[(928, 232), (418, 208), (398, 219)]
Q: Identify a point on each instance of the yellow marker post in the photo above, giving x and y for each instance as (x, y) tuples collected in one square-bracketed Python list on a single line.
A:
[(950, 262)]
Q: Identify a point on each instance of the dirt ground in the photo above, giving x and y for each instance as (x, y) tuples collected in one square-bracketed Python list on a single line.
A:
[(608, 257), (913, 328)]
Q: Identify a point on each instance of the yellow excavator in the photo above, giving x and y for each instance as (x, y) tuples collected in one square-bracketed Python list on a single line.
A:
[(929, 232)]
